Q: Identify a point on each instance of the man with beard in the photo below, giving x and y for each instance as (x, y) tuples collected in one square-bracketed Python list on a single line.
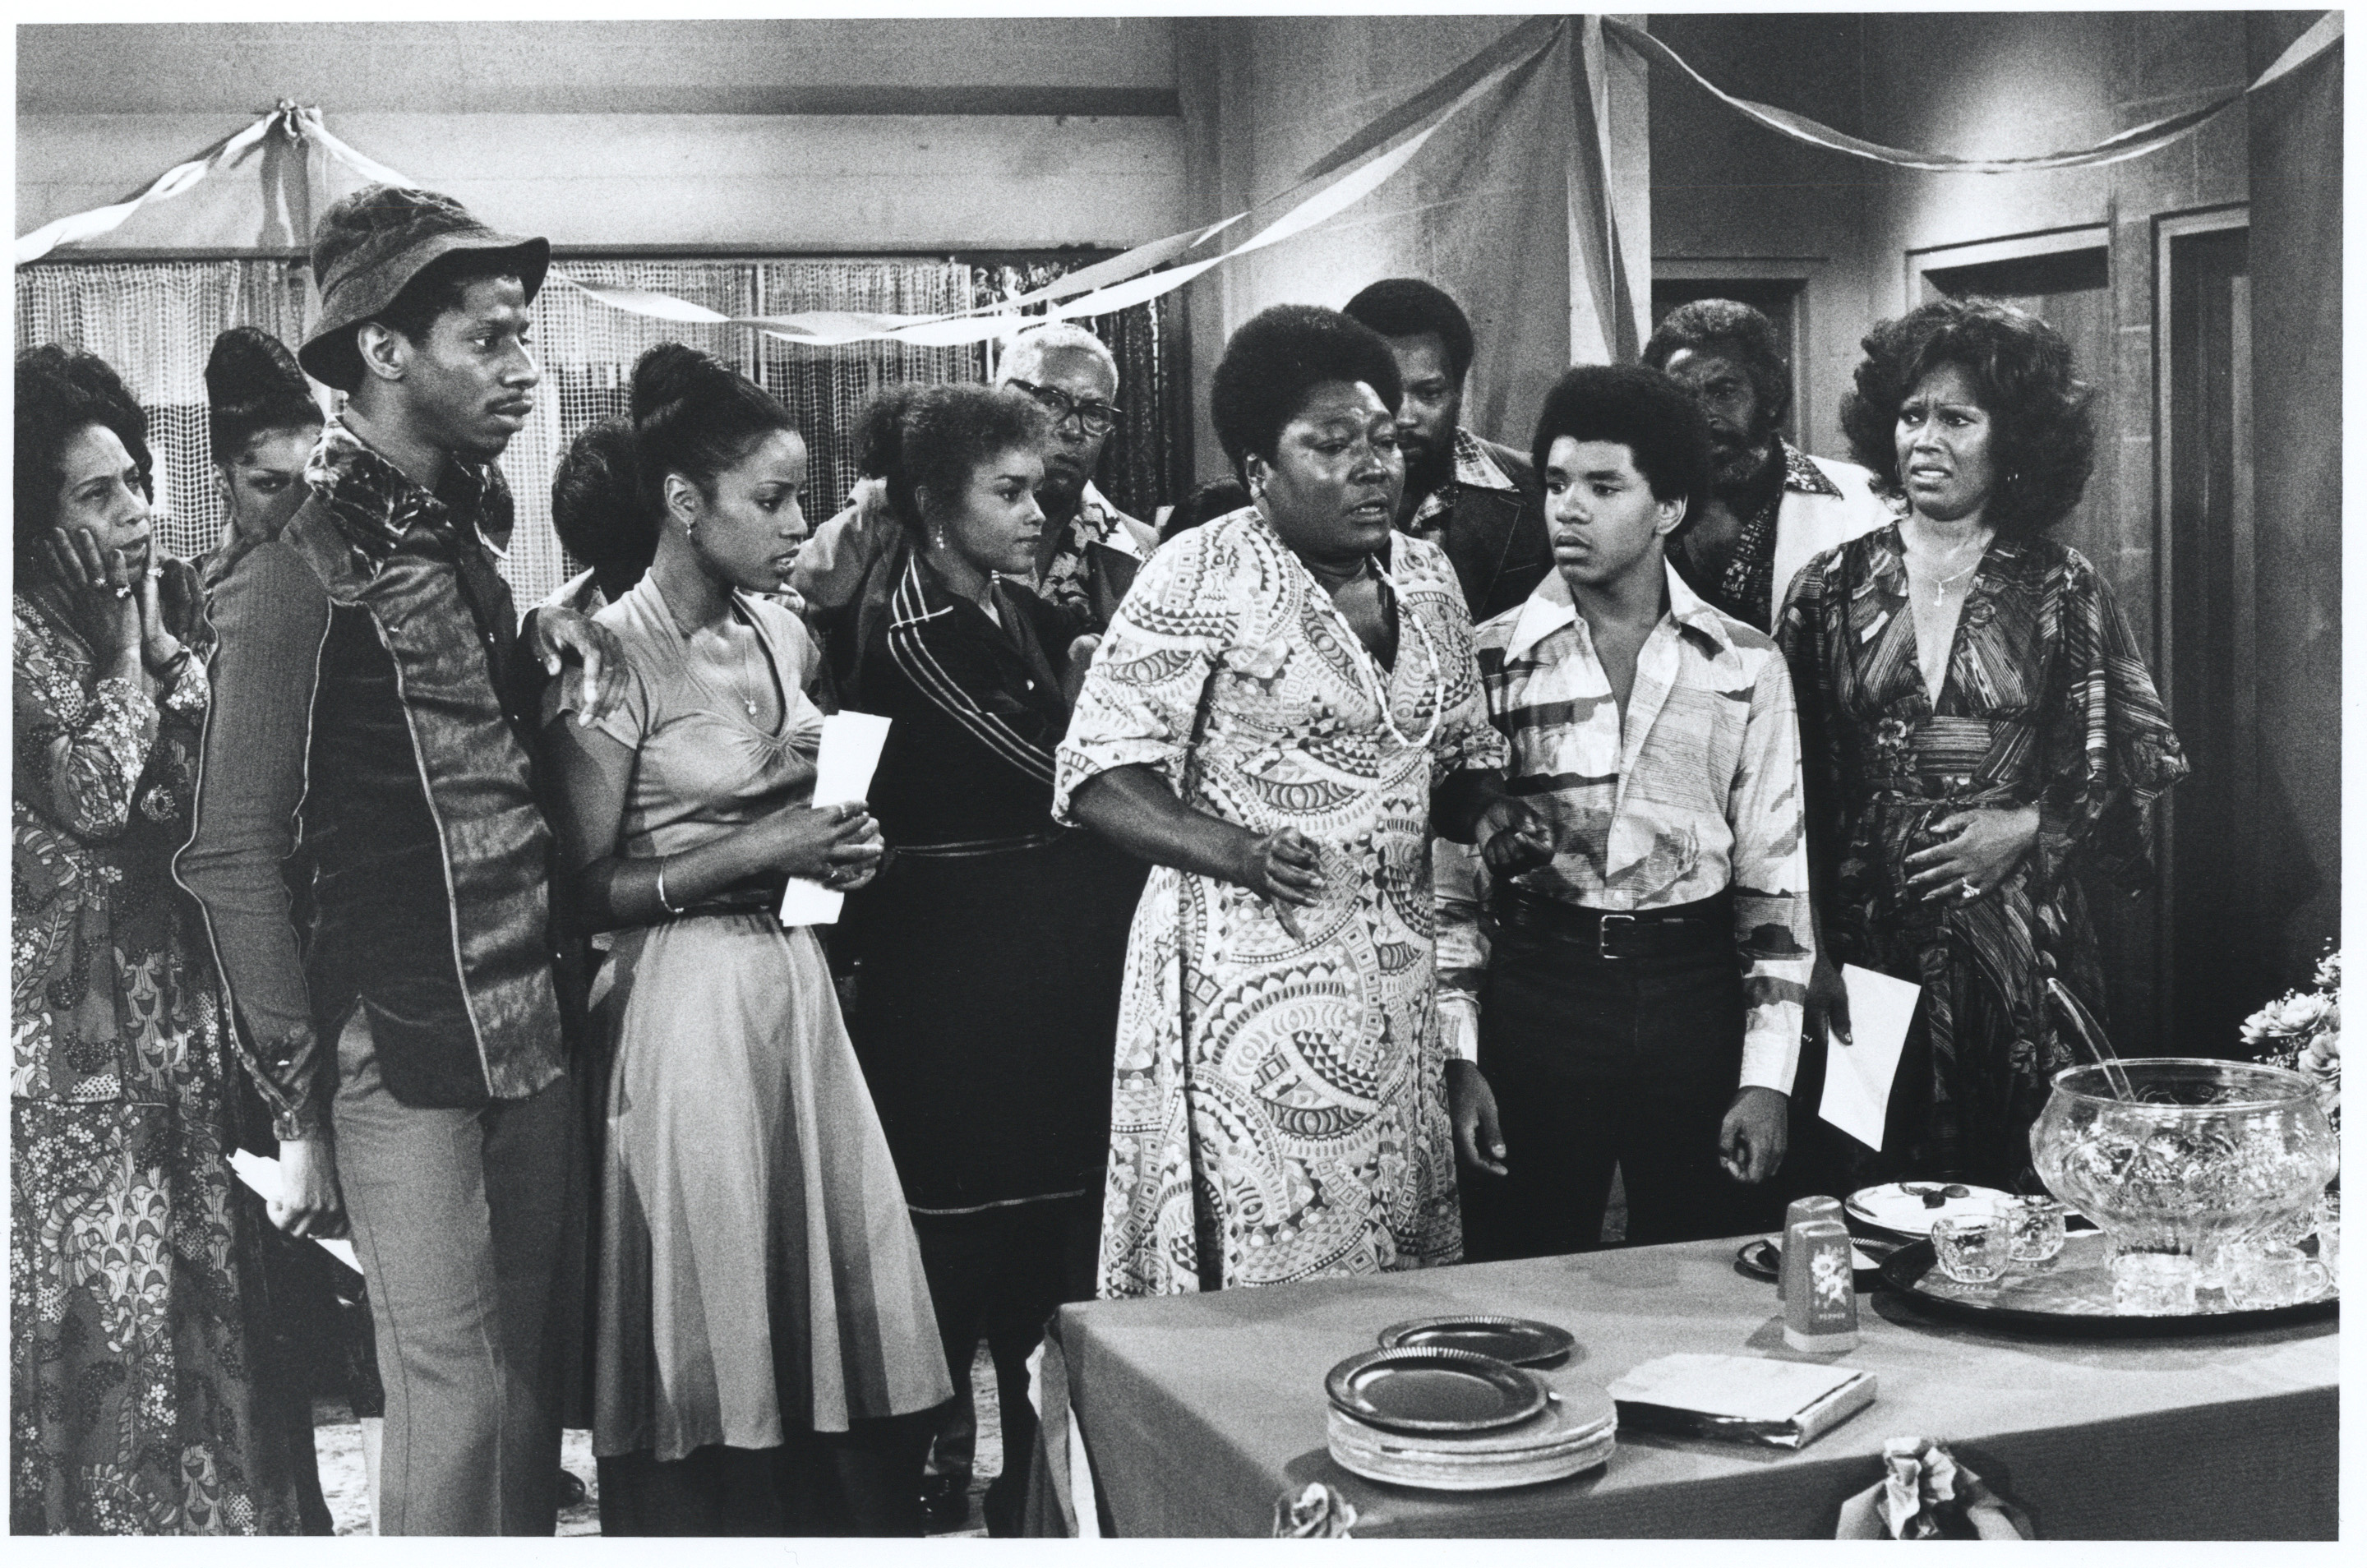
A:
[(368, 733), (1771, 506), (1477, 500), (1090, 551)]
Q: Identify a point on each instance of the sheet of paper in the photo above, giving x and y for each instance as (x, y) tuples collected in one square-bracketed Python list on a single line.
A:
[(261, 1172), (843, 769), (1748, 1388), (1858, 1074)]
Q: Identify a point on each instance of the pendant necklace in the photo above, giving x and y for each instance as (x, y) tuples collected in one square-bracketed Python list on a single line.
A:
[(1940, 584)]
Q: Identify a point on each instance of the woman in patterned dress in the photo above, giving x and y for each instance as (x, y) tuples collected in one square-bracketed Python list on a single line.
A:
[(1976, 725), (133, 1401), (1284, 707)]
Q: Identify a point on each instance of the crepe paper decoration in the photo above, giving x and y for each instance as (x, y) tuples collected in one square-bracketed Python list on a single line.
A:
[(1927, 1494), (2133, 142), (1319, 1513), (175, 181)]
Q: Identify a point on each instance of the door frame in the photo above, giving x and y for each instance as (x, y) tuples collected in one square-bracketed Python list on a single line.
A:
[(2169, 228), (1919, 289)]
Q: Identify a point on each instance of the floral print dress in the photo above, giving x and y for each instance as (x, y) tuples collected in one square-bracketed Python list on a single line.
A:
[(2046, 703), (133, 1406), (1278, 1109)]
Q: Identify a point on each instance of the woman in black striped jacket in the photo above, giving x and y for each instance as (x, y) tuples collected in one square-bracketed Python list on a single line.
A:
[(992, 944)]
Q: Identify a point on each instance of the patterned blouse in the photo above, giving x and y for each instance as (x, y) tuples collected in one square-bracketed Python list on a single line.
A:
[(1699, 793)]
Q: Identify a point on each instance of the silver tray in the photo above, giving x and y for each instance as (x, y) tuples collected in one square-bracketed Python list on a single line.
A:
[(1522, 1341), (1425, 1388), (2075, 1297)]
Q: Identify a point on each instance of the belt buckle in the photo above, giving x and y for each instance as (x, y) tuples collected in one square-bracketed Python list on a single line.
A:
[(1603, 933)]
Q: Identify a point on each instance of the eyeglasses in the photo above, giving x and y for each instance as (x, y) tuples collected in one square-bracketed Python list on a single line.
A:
[(1097, 417)]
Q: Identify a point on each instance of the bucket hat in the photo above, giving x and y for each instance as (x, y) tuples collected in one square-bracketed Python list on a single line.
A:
[(369, 246)]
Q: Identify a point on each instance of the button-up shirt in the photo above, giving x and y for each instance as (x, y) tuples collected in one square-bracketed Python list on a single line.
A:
[(1474, 469), (1697, 792)]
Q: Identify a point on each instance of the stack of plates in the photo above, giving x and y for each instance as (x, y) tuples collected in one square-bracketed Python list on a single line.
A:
[(1424, 1411)]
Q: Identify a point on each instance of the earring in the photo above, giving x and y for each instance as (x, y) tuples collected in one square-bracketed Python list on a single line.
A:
[(937, 538)]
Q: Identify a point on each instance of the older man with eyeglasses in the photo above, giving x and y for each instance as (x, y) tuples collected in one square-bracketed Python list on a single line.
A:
[(1090, 551)]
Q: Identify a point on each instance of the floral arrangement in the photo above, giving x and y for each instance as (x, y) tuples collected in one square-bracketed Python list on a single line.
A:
[(2302, 1030)]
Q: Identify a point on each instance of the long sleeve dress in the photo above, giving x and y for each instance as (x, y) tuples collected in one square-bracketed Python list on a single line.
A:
[(136, 1404), (1278, 1107), (2046, 703)]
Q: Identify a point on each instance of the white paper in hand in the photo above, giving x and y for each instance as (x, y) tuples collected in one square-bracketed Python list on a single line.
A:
[(1858, 1074), (843, 769), (261, 1173)]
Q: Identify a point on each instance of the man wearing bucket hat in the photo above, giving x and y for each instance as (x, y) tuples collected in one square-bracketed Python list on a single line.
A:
[(368, 726)]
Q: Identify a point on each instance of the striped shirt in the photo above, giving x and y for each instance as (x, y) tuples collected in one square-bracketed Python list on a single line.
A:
[(1699, 792)]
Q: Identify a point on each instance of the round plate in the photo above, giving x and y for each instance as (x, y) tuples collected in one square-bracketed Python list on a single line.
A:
[(1431, 1388), (2073, 1299), (1522, 1341), (1763, 1257), (1908, 1208)]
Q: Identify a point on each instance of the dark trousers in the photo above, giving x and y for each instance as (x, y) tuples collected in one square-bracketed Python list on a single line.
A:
[(1597, 1063), (998, 1275)]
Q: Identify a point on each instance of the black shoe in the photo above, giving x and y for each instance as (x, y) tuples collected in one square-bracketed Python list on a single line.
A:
[(572, 1490), (944, 1503), (1005, 1504)]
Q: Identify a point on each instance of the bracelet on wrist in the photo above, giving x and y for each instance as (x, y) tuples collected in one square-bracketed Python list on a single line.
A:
[(664, 903)]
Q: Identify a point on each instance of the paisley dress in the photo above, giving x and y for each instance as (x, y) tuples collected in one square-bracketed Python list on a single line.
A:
[(133, 1379), (2046, 703), (1279, 1105)]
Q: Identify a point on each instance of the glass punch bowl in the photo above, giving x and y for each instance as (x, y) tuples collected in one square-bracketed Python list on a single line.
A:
[(2183, 1153)]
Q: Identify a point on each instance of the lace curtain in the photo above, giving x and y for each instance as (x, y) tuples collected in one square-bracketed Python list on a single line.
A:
[(155, 322)]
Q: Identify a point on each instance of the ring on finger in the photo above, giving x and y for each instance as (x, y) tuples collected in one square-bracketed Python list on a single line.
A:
[(1967, 891)]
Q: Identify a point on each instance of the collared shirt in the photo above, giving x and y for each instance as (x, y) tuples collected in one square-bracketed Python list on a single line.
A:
[(1472, 468), (1746, 588), (1697, 792), (1066, 584)]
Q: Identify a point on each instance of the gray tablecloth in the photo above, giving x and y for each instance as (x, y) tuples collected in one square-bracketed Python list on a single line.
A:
[(1197, 1412)]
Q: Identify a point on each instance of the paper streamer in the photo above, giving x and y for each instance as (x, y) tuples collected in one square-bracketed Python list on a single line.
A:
[(173, 182), (2131, 143)]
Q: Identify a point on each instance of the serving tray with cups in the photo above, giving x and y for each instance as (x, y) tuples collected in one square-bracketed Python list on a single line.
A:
[(1456, 1403)]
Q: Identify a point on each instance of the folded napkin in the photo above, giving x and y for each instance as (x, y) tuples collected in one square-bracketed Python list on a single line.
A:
[(1317, 1514), (1926, 1495)]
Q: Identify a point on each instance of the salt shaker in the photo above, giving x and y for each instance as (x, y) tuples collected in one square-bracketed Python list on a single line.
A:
[(1819, 1287), (1802, 1209)]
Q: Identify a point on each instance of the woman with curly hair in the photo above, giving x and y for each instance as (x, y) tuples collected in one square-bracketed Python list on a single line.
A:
[(1284, 709), (1977, 724), (135, 1394)]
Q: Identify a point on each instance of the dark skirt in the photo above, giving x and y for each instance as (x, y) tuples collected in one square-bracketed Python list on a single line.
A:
[(986, 1014)]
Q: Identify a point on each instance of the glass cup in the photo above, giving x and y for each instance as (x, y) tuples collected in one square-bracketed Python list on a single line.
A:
[(2273, 1274), (2329, 1233), (1971, 1250), (2153, 1284), (2034, 1231)]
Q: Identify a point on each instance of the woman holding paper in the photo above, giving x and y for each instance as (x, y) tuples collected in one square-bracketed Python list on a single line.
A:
[(992, 947), (1977, 724), (765, 1336)]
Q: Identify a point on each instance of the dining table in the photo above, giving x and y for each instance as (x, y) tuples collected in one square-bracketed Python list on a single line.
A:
[(1193, 1415)]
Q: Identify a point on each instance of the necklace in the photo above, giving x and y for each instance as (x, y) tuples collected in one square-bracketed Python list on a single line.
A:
[(1940, 584), (1378, 688)]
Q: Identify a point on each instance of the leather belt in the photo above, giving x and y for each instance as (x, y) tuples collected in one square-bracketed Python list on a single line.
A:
[(1680, 930)]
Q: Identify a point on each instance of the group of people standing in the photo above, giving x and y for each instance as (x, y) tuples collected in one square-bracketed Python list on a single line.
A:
[(1349, 882)]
